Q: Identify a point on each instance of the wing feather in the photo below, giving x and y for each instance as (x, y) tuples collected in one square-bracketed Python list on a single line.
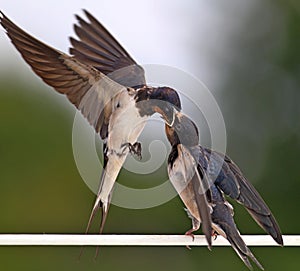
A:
[(89, 90), (233, 183), (97, 47)]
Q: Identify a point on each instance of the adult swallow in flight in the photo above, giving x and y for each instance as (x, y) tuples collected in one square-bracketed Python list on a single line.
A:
[(102, 80), (221, 177)]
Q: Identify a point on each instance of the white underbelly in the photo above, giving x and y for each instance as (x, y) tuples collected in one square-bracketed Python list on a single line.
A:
[(125, 126), (180, 175), (183, 169)]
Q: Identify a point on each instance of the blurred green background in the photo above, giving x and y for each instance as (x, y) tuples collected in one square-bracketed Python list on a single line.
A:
[(41, 190)]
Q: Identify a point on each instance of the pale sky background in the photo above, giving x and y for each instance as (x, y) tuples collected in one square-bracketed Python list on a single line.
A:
[(153, 31)]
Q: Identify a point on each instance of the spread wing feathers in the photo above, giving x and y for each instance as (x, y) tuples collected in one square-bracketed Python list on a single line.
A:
[(182, 173), (91, 92), (222, 217), (229, 178), (98, 48)]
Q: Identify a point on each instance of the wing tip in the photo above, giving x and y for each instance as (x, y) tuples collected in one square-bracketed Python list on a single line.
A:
[(79, 19), (3, 18), (279, 239), (86, 13), (89, 15), (5, 21), (269, 224)]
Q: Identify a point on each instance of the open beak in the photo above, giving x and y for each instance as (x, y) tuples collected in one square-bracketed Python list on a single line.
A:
[(171, 118), (168, 117)]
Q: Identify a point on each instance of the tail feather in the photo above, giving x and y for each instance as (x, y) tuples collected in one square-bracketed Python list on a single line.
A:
[(103, 220), (98, 203), (240, 248), (223, 222)]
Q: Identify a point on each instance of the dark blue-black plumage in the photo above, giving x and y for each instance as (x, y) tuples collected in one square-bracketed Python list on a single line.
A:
[(220, 177)]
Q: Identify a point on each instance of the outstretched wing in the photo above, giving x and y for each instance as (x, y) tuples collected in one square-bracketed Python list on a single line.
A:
[(229, 178), (94, 94), (98, 48)]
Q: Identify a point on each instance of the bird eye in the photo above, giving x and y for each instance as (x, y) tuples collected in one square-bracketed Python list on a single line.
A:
[(178, 126)]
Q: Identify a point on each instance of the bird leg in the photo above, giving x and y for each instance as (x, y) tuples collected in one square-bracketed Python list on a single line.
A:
[(135, 148), (196, 226), (190, 233)]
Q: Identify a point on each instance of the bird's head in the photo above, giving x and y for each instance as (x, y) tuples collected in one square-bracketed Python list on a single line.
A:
[(162, 100), (183, 131), (165, 101)]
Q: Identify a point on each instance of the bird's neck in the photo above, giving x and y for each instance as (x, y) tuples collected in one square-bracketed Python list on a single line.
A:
[(173, 155)]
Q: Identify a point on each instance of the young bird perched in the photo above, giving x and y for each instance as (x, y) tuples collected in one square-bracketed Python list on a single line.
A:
[(106, 85), (219, 177)]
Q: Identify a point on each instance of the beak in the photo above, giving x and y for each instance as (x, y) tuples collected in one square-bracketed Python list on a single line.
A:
[(171, 118)]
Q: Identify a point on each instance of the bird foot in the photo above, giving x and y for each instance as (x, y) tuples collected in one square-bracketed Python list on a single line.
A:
[(135, 149), (190, 233), (214, 234)]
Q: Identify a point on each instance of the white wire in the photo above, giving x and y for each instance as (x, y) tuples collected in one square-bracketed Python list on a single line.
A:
[(133, 240)]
